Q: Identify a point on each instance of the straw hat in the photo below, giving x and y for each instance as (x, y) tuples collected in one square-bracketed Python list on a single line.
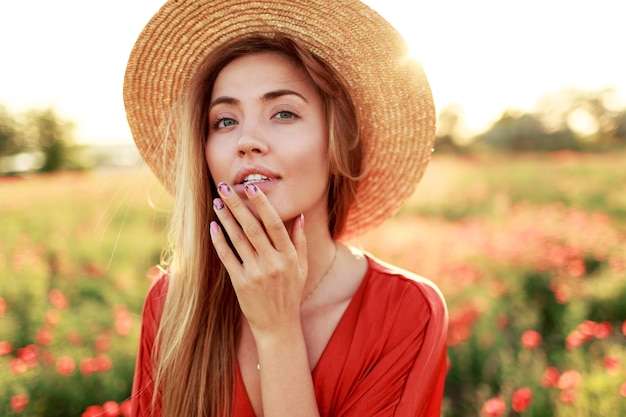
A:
[(389, 89)]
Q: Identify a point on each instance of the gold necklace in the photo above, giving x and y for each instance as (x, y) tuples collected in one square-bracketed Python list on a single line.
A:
[(322, 277)]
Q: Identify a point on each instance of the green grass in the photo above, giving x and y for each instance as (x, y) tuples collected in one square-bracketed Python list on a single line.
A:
[(484, 185), (515, 243)]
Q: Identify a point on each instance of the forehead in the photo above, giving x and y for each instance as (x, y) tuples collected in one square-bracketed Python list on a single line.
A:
[(259, 73)]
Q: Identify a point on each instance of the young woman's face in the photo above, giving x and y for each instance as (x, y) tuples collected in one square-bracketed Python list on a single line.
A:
[(267, 126)]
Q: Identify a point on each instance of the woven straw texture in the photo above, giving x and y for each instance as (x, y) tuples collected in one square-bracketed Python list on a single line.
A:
[(389, 89)]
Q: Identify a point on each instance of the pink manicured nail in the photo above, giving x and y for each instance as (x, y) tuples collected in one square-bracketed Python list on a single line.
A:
[(214, 227), (302, 220), (251, 189), (218, 204), (224, 189)]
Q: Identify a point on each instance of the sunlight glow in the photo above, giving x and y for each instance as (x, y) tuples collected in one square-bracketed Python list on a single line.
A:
[(485, 55)]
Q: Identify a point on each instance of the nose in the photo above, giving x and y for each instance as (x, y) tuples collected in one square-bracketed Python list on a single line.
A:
[(252, 141)]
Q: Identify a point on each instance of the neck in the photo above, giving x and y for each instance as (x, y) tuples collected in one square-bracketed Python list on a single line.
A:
[(321, 251)]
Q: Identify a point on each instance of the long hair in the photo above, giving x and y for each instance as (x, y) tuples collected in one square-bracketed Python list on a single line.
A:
[(198, 334)]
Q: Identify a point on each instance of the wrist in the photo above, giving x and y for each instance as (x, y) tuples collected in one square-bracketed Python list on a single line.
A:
[(277, 337)]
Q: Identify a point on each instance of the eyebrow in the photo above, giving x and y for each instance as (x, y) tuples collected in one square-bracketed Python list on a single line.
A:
[(271, 95), (279, 93)]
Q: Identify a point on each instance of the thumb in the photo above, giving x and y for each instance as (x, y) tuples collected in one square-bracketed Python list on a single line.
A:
[(298, 238)]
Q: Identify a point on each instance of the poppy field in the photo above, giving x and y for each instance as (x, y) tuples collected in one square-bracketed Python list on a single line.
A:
[(529, 251)]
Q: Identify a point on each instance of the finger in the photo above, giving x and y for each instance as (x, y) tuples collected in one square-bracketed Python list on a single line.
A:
[(299, 242), (224, 252), (249, 225), (232, 229), (274, 225)]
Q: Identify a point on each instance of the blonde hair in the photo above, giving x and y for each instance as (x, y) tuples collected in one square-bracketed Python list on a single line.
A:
[(198, 334)]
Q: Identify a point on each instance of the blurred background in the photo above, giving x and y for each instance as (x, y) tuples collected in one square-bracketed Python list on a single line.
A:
[(520, 218)]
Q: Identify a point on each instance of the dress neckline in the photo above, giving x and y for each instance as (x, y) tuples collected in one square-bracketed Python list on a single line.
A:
[(351, 309)]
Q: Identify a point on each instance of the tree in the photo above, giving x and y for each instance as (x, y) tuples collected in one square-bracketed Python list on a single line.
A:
[(590, 115), (8, 133), (620, 127), (525, 132), (46, 132), (449, 129)]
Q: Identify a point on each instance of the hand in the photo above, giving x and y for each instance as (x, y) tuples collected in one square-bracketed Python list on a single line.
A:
[(269, 280)]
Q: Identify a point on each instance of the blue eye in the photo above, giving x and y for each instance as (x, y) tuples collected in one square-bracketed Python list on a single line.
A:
[(284, 115), (224, 122)]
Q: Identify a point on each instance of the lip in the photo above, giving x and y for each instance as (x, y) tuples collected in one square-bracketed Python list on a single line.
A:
[(255, 169), (264, 186)]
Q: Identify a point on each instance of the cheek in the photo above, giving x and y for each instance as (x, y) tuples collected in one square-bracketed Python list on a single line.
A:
[(311, 163)]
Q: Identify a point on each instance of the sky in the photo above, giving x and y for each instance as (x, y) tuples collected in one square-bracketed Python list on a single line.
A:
[(484, 55)]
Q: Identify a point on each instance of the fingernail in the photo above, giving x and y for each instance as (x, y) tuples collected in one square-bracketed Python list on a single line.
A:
[(224, 188), (302, 220), (218, 204), (251, 189), (214, 227)]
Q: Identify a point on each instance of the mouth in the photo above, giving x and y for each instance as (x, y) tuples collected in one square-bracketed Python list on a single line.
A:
[(254, 178)]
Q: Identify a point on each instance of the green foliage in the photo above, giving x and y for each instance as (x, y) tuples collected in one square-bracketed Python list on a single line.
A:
[(44, 131), (568, 120), (524, 132), (40, 131), (8, 132), (75, 253), (488, 185), (526, 243), (532, 242)]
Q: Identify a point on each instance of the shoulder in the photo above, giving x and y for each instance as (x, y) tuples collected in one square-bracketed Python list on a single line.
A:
[(155, 299), (405, 297), (390, 279), (397, 309)]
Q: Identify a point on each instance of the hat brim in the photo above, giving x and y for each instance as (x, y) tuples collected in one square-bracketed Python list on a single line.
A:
[(389, 89)]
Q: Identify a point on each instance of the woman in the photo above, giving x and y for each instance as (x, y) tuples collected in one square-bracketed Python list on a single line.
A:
[(282, 130)]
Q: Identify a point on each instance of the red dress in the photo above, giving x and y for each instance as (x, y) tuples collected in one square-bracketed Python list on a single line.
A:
[(387, 356)]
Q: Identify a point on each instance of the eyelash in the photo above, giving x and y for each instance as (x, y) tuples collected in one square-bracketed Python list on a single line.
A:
[(216, 125), (292, 115)]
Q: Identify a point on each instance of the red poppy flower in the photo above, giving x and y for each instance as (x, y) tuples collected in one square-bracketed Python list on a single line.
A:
[(603, 330), (103, 343), (5, 348), (29, 355), (58, 299), (93, 411), (531, 339), (587, 328), (122, 320), (65, 365), (569, 380), (104, 362), (550, 377), (494, 407), (125, 408), (18, 402), (574, 340), (44, 336), (52, 317), (521, 399), (17, 366), (568, 396), (612, 364), (111, 409), (88, 366)]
